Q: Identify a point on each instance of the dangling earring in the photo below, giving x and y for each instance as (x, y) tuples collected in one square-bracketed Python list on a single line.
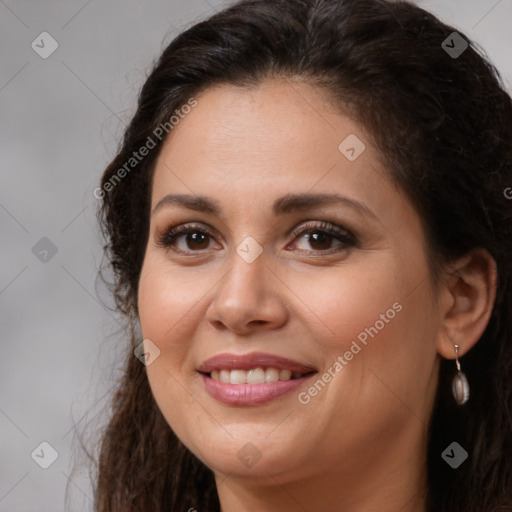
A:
[(460, 385)]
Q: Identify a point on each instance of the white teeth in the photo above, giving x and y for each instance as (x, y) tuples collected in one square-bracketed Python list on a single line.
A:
[(253, 376), (238, 377), (271, 375), (256, 376), (285, 375)]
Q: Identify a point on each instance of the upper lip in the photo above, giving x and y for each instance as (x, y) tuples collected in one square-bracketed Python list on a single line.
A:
[(250, 361)]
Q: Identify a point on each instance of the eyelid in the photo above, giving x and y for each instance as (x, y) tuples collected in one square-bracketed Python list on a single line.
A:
[(325, 226)]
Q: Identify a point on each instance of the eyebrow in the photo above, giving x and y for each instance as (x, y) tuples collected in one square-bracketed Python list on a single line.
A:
[(287, 204)]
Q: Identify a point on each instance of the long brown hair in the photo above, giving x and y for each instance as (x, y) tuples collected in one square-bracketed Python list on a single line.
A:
[(443, 123)]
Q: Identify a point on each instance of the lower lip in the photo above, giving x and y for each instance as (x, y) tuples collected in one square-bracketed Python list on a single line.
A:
[(250, 394)]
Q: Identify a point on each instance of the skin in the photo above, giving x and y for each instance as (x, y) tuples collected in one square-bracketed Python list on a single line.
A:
[(360, 443)]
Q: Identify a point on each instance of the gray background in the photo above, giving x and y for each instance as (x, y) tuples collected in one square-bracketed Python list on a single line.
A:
[(61, 119)]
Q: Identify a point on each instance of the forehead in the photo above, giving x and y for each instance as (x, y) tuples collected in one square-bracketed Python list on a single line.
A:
[(274, 118), (254, 144)]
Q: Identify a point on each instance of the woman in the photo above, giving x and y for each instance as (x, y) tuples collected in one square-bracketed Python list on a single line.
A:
[(309, 227)]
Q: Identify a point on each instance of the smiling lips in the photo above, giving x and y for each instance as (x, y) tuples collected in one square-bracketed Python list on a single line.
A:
[(252, 378)]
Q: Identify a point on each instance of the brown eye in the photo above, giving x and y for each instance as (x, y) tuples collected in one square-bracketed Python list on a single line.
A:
[(186, 238), (320, 237), (196, 240), (320, 241)]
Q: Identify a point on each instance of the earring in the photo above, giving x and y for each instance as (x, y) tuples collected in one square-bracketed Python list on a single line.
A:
[(460, 385)]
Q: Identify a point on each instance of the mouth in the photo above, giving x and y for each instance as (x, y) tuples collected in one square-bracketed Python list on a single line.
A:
[(252, 379)]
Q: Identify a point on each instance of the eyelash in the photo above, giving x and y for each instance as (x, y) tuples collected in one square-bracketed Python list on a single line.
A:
[(168, 238)]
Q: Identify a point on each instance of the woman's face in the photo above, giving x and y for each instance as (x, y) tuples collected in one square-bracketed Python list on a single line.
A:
[(276, 275)]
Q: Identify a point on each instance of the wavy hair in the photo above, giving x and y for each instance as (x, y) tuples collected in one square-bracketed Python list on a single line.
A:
[(443, 126)]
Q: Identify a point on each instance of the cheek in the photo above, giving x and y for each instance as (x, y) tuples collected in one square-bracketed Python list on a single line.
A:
[(163, 316), (166, 302), (169, 305), (351, 299), (378, 315)]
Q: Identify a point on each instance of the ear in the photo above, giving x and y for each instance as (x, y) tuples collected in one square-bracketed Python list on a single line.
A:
[(466, 301)]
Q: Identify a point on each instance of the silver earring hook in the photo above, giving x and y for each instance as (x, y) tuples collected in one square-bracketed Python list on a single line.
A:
[(457, 357)]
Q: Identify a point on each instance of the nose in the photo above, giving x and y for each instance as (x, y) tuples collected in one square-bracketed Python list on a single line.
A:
[(248, 298)]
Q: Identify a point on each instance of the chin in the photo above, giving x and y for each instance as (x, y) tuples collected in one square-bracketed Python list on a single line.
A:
[(258, 458)]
